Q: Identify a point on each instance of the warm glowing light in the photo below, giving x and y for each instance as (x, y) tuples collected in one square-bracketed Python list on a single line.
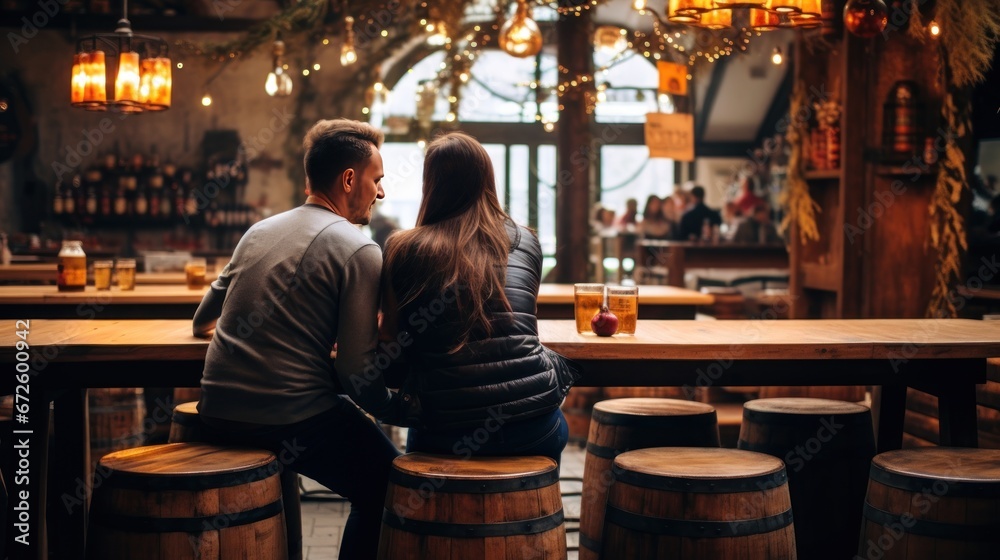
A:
[(717, 19), (348, 55), (549, 126), (776, 57), (316, 66), (78, 83), (639, 5), (378, 86), (305, 71), (763, 20), (180, 65), (450, 117), (127, 80), (278, 84), (440, 36), (206, 100), (934, 28), (96, 93), (865, 18), (520, 35)]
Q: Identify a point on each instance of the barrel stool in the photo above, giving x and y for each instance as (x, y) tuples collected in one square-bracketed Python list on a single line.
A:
[(849, 393), (827, 446), (688, 502), (186, 426), (620, 425), (187, 501), (116, 420), (483, 508), (935, 502)]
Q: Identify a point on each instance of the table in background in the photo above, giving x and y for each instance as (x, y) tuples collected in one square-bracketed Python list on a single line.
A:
[(45, 273), (946, 358), (677, 256), (144, 302), (555, 301)]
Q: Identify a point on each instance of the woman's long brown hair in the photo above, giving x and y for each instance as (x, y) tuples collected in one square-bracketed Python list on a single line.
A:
[(460, 241)]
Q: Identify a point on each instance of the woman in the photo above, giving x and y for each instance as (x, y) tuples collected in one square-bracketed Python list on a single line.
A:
[(459, 295), (655, 224)]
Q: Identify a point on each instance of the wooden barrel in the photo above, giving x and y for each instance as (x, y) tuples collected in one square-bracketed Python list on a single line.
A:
[(116, 420), (186, 426), (621, 425), (685, 502), (935, 502), (187, 501), (849, 393), (486, 508), (827, 446), (576, 408)]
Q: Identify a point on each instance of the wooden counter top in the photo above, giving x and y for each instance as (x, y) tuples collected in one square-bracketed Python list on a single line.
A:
[(46, 272), (143, 294)]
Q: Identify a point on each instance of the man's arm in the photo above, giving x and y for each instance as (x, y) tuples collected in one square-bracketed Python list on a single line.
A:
[(357, 338), (210, 309)]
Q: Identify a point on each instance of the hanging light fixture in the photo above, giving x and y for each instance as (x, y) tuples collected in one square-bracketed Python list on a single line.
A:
[(348, 55), (278, 83), (757, 15), (520, 35), (142, 79)]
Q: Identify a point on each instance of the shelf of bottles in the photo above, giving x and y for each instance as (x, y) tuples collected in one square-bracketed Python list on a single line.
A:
[(142, 193)]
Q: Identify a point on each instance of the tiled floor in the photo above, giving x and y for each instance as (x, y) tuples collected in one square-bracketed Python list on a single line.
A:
[(323, 519)]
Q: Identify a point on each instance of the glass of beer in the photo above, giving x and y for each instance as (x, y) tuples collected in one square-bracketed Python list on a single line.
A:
[(194, 271), (102, 275), (126, 274), (623, 301), (587, 300)]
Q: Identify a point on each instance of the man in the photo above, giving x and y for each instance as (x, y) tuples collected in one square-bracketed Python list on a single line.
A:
[(693, 220), (299, 282)]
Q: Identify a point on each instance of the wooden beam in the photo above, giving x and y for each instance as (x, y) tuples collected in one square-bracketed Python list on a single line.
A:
[(705, 111), (576, 153)]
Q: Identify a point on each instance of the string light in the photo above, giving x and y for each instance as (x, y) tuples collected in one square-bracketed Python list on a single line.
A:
[(776, 57), (934, 28), (206, 100), (278, 83)]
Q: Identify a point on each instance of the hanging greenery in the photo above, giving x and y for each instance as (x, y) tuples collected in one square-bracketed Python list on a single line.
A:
[(801, 208), (969, 33)]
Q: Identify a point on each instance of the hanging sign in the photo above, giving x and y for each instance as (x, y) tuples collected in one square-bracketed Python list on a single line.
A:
[(673, 78), (670, 135)]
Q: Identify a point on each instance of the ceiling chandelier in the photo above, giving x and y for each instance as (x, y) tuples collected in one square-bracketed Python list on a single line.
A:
[(140, 84), (758, 15)]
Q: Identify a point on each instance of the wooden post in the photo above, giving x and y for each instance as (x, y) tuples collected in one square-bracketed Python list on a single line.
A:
[(576, 151)]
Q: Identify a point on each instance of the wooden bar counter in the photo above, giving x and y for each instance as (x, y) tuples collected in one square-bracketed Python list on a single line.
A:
[(144, 302), (946, 358), (45, 273)]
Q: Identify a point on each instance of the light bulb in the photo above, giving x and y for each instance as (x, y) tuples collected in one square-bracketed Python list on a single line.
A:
[(520, 35), (206, 100), (776, 57), (279, 83), (639, 5), (440, 36), (934, 28), (347, 55)]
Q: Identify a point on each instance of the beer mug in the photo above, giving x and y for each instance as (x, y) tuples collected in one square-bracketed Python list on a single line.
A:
[(194, 272), (623, 301), (102, 275), (126, 274), (587, 300)]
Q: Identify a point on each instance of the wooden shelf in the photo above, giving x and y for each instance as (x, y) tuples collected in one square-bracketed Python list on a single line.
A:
[(816, 276), (821, 174), (907, 169)]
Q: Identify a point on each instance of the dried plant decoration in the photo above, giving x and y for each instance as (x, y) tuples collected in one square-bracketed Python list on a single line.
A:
[(969, 33), (801, 208)]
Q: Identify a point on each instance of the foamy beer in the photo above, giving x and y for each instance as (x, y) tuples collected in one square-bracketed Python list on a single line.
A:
[(623, 301), (194, 272), (587, 300), (102, 275), (126, 274)]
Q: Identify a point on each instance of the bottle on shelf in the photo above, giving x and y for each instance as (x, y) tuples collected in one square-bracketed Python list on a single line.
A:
[(92, 185), (706, 230), (58, 200), (70, 195)]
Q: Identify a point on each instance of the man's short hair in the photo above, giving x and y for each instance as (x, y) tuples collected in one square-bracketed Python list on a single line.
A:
[(698, 192), (333, 146)]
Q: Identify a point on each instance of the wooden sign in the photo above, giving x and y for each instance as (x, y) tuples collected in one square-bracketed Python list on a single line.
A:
[(673, 78), (670, 135)]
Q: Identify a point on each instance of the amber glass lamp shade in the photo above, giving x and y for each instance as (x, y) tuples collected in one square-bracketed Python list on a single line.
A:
[(865, 18), (95, 93), (78, 80), (520, 35), (763, 20), (740, 3), (155, 84), (717, 19), (127, 83), (811, 9), (785, 6)]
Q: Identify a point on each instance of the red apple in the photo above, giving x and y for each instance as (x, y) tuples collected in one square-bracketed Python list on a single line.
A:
[(605, 323)]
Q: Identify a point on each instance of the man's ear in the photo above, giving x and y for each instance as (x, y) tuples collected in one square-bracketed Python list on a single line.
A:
[(348, 179)]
